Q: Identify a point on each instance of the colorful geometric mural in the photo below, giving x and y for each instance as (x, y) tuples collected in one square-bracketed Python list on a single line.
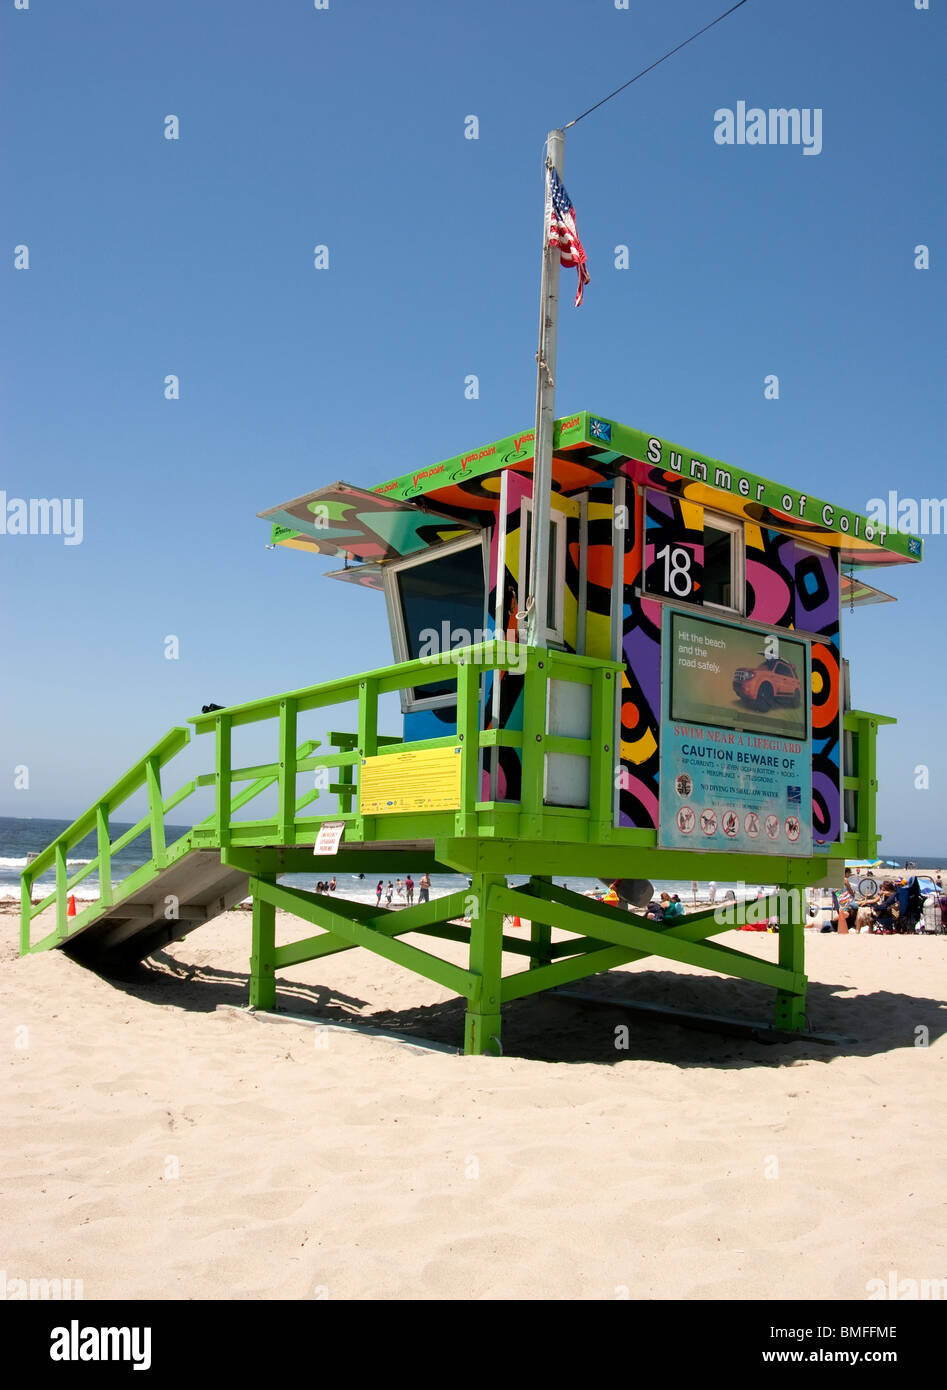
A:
[(674, 548), (641, 685), (770, 576), (817, 611), (599, 577)]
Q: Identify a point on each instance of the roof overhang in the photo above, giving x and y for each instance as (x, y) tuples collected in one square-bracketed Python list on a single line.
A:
[(442, 501), (344, 520), (855, 592)]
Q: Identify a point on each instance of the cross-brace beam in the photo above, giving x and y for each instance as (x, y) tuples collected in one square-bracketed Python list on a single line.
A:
[(602, 937), (619, 929), (354, 924)]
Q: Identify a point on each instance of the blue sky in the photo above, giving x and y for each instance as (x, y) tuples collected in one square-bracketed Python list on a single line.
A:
[(345, 127)]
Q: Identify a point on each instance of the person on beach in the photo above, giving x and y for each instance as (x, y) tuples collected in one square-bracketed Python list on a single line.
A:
[(388, 894), (675, 908), (886, 909), (424, 888), (845, 906), (409, 890), (865, 915), (657, 908), (331, 885), (379, 889), (611, 897)]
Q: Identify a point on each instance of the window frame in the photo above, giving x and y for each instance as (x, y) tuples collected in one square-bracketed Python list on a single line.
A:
[(736, 526), (411, 701)]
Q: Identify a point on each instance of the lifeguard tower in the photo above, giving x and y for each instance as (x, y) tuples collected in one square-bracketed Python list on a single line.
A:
[(680, 711)]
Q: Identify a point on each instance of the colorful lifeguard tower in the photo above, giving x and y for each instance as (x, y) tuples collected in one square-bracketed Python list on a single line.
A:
[(684, 714)]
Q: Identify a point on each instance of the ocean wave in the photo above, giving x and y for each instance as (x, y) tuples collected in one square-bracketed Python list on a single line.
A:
[(42, 890), (20, 862)]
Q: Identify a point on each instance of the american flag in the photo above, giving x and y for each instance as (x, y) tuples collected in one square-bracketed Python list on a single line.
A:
[(564, 235)]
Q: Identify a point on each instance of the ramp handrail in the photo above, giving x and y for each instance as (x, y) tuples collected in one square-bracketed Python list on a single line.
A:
[(98, 815), (145, 772)]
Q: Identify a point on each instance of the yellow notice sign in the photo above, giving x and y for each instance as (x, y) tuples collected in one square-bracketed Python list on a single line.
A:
[(428, 780)]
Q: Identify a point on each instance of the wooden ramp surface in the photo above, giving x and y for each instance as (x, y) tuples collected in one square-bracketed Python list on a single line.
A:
[(197, 886)]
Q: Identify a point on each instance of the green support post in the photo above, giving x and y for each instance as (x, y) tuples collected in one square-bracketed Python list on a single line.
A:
[(540, 935), (286, 813), (62, 926), (26, 913), (482, 1021), (790, 1012), (468, 734), (367, 741), (534, 753), (104, 854), (263, 951), (155, 811), (222, 765), (602, 760)]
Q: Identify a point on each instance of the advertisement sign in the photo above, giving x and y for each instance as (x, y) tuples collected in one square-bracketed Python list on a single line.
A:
[(736, 757)]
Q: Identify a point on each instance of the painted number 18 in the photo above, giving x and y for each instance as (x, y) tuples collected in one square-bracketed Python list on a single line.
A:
[(677, 570)]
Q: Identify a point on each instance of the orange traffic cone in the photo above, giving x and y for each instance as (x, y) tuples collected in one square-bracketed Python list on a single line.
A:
[(71, 909), (516, 922)]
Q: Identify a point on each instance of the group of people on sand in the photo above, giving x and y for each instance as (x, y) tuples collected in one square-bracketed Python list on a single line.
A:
[(665, 908), (874, 913), (403, 890), (662, 909)]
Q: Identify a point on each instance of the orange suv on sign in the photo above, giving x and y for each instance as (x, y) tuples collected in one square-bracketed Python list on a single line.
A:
[(772, 682)]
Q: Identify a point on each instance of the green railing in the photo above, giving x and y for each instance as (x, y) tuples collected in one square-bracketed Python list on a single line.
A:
[(145, 773), (466, 668), (860, 783), (530, 818)]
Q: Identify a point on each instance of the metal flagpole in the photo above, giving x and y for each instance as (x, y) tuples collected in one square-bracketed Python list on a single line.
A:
[(538, 587)]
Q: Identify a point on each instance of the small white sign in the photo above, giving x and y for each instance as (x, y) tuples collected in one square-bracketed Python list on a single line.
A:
[(329, 837)]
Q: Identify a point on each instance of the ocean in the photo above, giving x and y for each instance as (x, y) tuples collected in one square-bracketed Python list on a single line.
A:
[(21, 837)]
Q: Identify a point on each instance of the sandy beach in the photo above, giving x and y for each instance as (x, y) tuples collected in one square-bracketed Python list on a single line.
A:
[(158, 1144)]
